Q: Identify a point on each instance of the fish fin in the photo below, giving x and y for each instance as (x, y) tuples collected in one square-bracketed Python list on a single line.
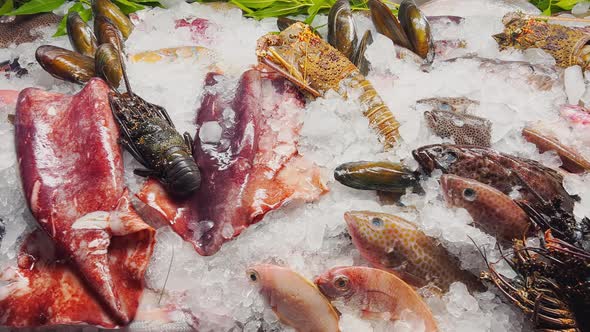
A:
[(372, 315), (398, 265), (430, 290)]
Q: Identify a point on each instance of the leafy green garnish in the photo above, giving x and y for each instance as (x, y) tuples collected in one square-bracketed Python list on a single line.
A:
[(84, 11), (37, 6), (7, 7), (550, 7)]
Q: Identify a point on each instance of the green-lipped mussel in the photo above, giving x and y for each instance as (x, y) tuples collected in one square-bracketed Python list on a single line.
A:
[(65, 64), (377, 175), (110, 10), (80, 34)]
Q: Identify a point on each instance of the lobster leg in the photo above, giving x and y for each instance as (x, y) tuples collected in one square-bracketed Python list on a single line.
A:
[(145, 172), (189, 141)]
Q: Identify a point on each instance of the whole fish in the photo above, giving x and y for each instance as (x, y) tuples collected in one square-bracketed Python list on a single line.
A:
[(462, 128), (496, 169), (491, 210), (378, 293), (398, 246), (296, 301), (572, 160)]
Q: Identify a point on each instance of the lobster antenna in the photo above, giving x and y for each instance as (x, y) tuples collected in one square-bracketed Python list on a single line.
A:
[(167, 275), (124, 70)]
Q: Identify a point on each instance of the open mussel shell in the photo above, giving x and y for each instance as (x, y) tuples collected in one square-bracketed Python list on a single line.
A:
[(110, 10), (341, 28), (417, 29), (108, 64), (376, 175), (106, 32), (359, 59), (80, 34), (387, 24), (65, 64)]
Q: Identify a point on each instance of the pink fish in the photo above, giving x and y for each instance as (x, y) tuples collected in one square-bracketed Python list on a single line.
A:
[(247, 152), (575, 114)]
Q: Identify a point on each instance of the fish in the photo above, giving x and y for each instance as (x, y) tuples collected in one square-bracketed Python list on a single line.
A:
[(71, 169), (246, 148), (501, 171), (23, 30), (575, 114), (572, 161), (492, 211), (393, 244), (172, 54), (449, 104), (295, 300), (462, 128), (376, 293)]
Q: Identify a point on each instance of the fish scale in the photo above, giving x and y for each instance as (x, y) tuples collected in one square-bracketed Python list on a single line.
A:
[(396, 245)]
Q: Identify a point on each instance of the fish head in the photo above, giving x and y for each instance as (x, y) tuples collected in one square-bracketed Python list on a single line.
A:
[(377, 235), (462, 192), (437, 156), (336, 283)]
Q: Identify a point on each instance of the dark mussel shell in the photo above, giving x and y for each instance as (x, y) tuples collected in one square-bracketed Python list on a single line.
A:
[(285, 22), (80, 34), (107, 32), (376, 175), (108, 64), (359, 59), (65, 64), (387, 24), (110, 10), (417, 29), (341, 28)]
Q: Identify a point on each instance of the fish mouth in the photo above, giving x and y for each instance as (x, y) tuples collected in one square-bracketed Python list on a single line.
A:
[(426, 162)]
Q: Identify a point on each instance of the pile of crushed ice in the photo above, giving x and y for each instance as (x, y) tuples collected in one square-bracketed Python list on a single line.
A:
[(310, 238)]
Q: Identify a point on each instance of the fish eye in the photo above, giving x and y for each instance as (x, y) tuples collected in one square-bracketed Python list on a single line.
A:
[(253, 275), (444, 106), (377, 222), (469, 194), (341, 282)]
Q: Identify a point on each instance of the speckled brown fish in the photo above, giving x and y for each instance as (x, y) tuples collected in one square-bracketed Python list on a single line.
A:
[(449, 104), (23, 30), (398, 246), (491, 210), (572, 160), (501, 171), (461, 127)]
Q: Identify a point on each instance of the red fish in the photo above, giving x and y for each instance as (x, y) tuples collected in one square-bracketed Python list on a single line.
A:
[(72, 175), (247, 153), (378, 293), (493, 211)]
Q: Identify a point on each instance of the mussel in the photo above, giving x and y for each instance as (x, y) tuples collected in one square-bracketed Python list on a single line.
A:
[(376, 175), (65, 64), (411, 31), (417, 30), (110, 10), (359, 58), (106, 32), (341, 28), (108, 64), (80, 34)]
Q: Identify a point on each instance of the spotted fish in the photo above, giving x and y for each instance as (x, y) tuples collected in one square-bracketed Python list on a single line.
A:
[(22, 28), (398, 246), (491, 210)]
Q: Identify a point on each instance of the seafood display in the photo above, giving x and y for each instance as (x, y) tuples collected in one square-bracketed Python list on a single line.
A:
[(246, 148), (108, 244), (375, 167)]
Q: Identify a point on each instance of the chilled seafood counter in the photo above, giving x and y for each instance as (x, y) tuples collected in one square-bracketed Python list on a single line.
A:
[(374, 166)]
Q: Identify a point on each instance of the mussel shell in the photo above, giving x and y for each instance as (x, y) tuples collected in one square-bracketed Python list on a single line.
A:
[(80, 34), (359, 59), (65, 64), (110, 10), (107, 32), (417, 29), (380, 175), (341, 28), (285, 22), (387, 24), (108, 64)]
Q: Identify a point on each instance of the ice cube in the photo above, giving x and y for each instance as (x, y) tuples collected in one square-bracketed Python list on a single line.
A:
[(574, 84)]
